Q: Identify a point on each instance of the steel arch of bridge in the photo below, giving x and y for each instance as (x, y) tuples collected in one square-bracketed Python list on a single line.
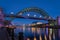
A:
[(34, 9)]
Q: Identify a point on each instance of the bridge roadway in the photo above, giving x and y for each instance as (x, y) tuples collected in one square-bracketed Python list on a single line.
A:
[(28, 17)]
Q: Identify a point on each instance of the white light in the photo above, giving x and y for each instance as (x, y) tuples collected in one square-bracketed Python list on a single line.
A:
[(34, 15), (12, 12), (23, 27), (28, 14), (40, 38), (40, 16), (39, 23), (50, 31), (35, 38), (45, 37)]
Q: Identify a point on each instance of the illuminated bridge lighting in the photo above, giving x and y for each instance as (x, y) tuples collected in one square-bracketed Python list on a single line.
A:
[(34, 15), (28, 14), (40, 16), (12, 12)]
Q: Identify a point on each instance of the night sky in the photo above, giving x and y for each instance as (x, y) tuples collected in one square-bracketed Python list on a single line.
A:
[(52, 7)]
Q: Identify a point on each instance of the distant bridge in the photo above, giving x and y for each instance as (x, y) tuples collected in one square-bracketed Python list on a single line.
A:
[(31, 9)]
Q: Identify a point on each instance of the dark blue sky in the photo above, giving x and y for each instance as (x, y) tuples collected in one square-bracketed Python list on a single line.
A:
[(50, 6)]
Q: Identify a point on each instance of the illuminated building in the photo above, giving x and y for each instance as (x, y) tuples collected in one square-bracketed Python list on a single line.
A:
[(1, 17)]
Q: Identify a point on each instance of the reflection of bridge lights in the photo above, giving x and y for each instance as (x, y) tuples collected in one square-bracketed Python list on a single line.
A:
[(33, 29), (40, 38), (50, 37), (50, 34), (45, 37), (28, 39), (50, 31), (23, 27), (35, 38), (38, 30)]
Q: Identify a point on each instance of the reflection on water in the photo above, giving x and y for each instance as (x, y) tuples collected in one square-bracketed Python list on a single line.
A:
[(35, 38), (40, 38), (38, 33)]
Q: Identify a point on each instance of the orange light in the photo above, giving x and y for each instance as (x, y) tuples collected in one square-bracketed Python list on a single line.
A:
[(33, 24), (34, 38), (33, 29), (40, 37)]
